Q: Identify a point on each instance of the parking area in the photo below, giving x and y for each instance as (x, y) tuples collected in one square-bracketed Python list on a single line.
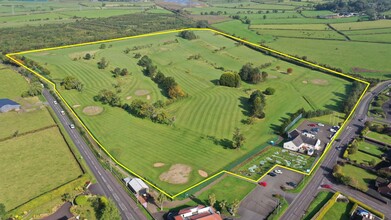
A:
[(260, 202), (323, 132)]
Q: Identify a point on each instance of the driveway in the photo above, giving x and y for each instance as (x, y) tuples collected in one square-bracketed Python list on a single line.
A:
[(260, 202), (62, 213)]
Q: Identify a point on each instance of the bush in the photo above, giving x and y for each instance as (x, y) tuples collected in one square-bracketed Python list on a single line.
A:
[(269, 91), (188, 35), (230, 80), (81, 200), (71, 82)]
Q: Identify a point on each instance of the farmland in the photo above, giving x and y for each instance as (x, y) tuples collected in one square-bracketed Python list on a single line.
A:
[(135, 142), (30, 137)]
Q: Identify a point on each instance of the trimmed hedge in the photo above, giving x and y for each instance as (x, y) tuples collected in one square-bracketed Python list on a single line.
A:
[(327, 207)]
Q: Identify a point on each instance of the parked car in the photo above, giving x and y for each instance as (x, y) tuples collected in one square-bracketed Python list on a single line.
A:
[(278, 171), (272, 174), (312, 125), (326, 186), (55, 102), (62, 113), (72, 126), (332, 130), (320, 124), (291, 184), (263, 183)]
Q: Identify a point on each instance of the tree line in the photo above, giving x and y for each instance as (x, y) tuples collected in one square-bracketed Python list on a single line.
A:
[(154, 112), (34, 66), (352, 96)]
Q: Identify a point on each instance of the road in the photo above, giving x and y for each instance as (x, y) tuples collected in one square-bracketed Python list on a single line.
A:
[(297, 209), (110, 187)]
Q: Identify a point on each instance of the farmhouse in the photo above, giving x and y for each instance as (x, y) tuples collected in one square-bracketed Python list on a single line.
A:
[(199, 212), (7, 105), (302, 142)]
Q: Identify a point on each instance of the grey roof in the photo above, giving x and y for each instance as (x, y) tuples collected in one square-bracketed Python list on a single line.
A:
[(294, 133), (304, 139), (4, 102), (137, 184)]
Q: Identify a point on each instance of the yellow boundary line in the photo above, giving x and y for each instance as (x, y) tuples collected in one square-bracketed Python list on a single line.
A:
[(175, 31)]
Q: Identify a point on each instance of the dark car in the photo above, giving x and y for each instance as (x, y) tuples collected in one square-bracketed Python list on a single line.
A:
[(291, 184), (272, 174)]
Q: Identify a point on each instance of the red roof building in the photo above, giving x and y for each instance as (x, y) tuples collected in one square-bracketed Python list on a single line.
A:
[(199, 212)]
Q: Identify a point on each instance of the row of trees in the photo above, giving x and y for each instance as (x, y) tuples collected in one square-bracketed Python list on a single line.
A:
[(71, 82), (353, 96), (379, 128), (168, 84), (34, 65), (232, 208), (346, 179), (154, 111), (120, 72)]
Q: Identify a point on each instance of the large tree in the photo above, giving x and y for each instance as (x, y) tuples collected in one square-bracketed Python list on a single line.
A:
[(238, 139), (230, 79)]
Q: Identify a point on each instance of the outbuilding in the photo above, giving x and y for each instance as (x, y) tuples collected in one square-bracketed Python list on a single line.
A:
[(7, 105), (138, 187)]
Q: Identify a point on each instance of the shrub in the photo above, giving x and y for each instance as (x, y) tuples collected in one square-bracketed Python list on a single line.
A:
[(188, 35), (230, 80), (269, 91)]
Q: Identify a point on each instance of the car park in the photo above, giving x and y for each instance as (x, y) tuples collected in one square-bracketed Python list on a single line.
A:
[(272, 174)]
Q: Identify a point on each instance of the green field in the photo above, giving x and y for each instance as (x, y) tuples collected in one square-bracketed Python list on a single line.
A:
[(362, 157), (29, 171), (380, 137), (340, 210), (362, 176), (210, 112), (320, 200), (367, 147)]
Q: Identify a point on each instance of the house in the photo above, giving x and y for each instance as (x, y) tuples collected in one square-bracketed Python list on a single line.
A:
[(7, 105), (302, 143), (385, 190), (138, 186), (199, 212)]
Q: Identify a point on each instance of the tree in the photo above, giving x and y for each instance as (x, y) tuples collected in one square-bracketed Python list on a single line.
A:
[(238, 139), (230, 80), (234, 207), (251, 74), (264, 75), (264, 16), (159, 77), (175, 92), (269, 91), (222, 205), (212, 199), (347, 180), (108, 97), (102, 46), (168, 82), (87, 56), (110, 211), (102, 64), (124, 72), (372, 163), (337, 169), (66, 197), (289, 70), (34, 89), (71, 82), (2, 210), (202, 24), (189, 35), (161, 199), (116, 71)]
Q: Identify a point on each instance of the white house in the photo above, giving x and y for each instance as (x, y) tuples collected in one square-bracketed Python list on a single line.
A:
[(302, 143), (138, 186)]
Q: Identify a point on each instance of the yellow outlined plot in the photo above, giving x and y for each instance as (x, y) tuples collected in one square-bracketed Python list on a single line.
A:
[(10, 56)]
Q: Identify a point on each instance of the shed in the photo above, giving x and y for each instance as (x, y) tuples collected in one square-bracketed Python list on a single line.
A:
[(7, 105), (138, 186)]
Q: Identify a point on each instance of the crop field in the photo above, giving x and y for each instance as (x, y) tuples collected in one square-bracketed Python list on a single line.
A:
[(255, 168), (31, 163), (44, 162), (209, 113)]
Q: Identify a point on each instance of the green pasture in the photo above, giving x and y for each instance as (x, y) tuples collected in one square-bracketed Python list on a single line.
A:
[(210, 112), (363, 25), (253, 5), (340, 210), (238, 29), (382, 38), (275, 155), (328, 34), (345, 55), (363, 177), (312, 27), (34, 164), (380, 137), (370, 148), (12, 90), (316, 13)]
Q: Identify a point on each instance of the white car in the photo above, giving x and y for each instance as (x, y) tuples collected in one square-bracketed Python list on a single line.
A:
[(278, 171), (332, 130), (72, 126), (320, 125), (55, 102), (62, 113)]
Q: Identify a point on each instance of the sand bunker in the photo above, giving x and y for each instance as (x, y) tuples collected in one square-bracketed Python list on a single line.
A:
[(92, 110), (158, 164), (203, 173), (141, 92), (76, 106), (178, 174), (305, 81), (128, 97), (319, 82)]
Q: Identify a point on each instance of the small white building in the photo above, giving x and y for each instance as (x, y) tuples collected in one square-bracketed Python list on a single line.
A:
[(138, 186)]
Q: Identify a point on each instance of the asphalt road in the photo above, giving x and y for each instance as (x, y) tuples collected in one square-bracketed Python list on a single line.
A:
[(298, 207), (109, 185)]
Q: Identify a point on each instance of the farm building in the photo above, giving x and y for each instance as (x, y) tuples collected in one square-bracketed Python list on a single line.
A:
[(7, 105), (199, 212), (303, 143), (138, 186)]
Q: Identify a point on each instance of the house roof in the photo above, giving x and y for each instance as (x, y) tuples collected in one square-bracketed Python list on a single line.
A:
[(137, 184), (294, 133), (4, 102), (304, 139), (186, 210), (199, 212), (385, 189)]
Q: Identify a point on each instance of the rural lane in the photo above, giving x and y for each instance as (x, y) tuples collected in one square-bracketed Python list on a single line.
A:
[(297, 209), (109, 185)]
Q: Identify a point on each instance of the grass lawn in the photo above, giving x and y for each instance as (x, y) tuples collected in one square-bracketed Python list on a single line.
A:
[(362, 157), (340, 210), (210, 112), (316, 204), (362, 176), (44, 162), (367, 147), (275, 155), (380, 137), (228, 189)]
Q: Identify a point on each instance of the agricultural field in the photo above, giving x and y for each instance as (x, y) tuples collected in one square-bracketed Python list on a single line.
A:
[(24, 136), (204, 120)]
